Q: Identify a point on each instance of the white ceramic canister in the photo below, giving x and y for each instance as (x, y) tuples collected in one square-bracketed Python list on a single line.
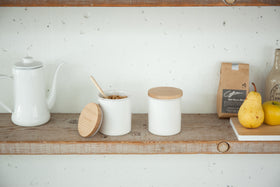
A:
[(164, 110), (116, 114)]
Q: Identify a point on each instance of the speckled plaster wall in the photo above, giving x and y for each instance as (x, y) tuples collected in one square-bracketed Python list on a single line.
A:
[(141, 170), (134, 49)]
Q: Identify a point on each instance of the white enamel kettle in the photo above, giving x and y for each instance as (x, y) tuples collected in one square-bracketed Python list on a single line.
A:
[(31, 106)]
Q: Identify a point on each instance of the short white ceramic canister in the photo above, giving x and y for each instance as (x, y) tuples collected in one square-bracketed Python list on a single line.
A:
[(116, 114), (164, 114)]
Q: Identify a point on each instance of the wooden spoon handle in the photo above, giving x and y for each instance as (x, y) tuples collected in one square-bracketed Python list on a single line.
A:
[(98, 87)]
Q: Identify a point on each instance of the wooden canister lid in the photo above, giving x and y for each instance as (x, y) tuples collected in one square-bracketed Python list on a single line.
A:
[(90, 120), (165, 93)]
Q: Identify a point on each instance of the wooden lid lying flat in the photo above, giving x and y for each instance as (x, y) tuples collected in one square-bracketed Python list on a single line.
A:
[(165, 93), (90, 120)]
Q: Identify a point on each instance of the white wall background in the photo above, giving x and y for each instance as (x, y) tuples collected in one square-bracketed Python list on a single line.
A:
[(141, 170), (135, 49)]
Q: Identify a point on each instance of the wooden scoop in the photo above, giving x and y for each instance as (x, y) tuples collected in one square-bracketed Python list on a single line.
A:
[(99, 88)]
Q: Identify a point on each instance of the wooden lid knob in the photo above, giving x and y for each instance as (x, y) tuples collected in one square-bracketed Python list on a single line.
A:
[(90, 120), (165, 93)]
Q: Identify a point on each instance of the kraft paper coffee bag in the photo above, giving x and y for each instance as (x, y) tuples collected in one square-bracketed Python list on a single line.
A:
[(233, 88)]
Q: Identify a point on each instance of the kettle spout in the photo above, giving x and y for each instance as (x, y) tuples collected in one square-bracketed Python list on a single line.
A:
[(52, 95)]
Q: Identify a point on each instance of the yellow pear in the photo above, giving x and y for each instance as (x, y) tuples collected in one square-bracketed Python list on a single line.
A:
[(250, 114)]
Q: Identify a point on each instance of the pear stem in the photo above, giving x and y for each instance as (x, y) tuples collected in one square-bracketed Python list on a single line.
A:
[(254, 86)]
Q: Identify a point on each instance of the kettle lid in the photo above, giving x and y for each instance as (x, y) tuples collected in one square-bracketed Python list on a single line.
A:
[(28, 63)]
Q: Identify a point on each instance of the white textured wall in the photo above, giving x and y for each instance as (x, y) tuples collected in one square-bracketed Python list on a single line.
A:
[(141, 171), (136, 49)]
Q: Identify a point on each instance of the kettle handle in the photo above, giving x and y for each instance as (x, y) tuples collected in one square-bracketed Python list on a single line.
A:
[(2, 104)]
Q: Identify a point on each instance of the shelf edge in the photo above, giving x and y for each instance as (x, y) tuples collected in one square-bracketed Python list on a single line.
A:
[(188, 147)]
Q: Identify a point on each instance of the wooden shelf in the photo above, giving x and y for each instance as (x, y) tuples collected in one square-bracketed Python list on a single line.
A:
[(136, 3), (201, 133)]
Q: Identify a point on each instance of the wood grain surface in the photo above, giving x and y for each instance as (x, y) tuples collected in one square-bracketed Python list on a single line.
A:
[(90, 120), (261, 130), (201, 133), (165, 93), (135, 3)]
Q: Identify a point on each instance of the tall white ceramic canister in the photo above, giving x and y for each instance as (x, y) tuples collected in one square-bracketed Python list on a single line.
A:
[(164, 114), (116, 114)]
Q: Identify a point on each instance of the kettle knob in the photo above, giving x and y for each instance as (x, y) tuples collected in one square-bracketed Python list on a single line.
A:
[(28, 63), (27, 60)]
